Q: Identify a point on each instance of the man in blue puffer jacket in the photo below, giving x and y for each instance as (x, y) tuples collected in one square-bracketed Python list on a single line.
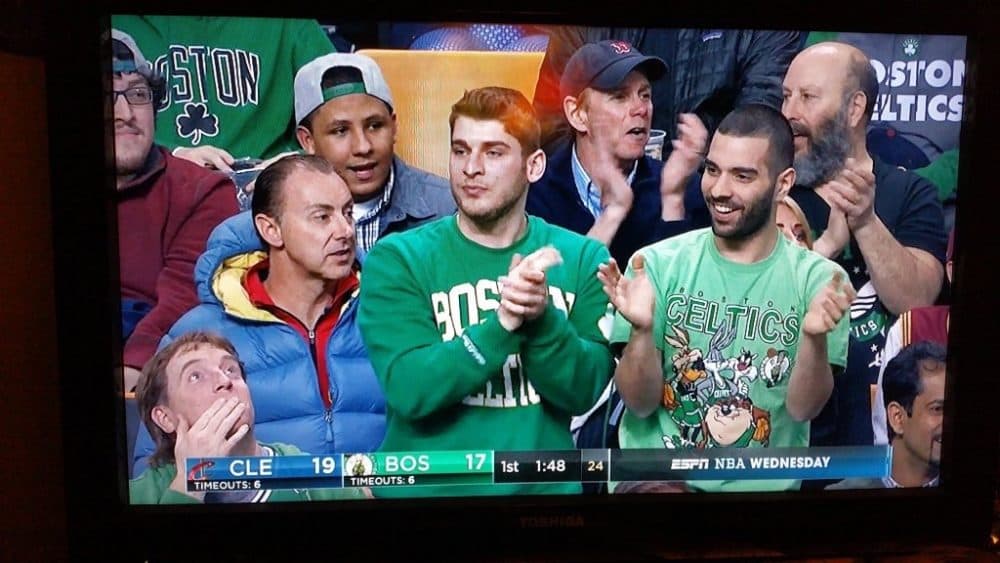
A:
[(281, 282)]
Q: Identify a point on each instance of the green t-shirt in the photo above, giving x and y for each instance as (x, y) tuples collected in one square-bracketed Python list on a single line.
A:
[(229, 80), (728, 334), (453, 377), (153, 487)]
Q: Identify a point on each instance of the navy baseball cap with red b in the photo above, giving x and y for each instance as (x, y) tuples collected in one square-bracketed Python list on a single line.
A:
[(604, 66)]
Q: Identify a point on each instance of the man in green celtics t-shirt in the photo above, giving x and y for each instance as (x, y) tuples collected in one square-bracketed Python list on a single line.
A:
[(732, 334), (484, 327)]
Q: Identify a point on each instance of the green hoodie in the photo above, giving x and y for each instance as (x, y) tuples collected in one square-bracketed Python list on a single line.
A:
[(453, 377)]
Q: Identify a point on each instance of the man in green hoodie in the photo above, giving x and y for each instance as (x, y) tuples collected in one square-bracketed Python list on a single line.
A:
[(485, 327)]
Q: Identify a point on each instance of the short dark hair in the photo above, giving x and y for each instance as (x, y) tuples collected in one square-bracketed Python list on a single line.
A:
[(506, 105), (151, 390), (901, 380), (760, 121), (157, 84), (270, 183), (335, 76)]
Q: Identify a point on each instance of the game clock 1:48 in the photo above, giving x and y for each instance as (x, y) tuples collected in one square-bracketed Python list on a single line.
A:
[(537, 467), (550, 465)]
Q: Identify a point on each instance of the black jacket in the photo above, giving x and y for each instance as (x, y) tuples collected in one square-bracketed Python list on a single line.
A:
[(710, 71)]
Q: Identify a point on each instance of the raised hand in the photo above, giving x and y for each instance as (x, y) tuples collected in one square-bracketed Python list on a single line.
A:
[(523, 291), (853, 193), (829, 305), (689, 150), (213, 434), (607, 175), (634, 298)]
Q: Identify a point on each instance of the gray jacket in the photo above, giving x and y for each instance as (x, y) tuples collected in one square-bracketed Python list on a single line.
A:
[(418, 197)]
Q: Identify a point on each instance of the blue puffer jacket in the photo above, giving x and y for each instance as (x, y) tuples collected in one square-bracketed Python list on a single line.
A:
[(279, 367)]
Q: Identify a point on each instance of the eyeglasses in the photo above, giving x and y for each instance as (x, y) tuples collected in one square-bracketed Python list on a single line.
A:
[(135, 96)]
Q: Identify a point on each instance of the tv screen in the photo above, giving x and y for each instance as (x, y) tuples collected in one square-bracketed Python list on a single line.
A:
[(528, 269)]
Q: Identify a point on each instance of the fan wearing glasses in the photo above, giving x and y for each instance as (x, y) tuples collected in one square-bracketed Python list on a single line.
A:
[(166, 209)]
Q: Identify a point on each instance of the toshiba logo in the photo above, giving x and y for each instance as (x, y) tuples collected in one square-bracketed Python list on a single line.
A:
[(683, 464)]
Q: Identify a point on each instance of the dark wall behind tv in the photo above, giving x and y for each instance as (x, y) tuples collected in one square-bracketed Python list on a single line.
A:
[(33, 518)]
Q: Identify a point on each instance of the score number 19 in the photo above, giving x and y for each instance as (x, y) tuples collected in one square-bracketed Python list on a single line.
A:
[(324, 465)]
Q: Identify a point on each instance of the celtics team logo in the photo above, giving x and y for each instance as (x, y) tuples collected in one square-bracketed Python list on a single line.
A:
[(360, 465), (196, 122), (910, 46)]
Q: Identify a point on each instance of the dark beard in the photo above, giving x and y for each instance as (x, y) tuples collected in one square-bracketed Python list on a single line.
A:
[(827, 152), (757, 215)]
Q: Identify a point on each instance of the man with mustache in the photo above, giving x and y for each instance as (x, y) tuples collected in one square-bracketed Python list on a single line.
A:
[(896, 245), (344, 111), (603, 184), (166, 209), (743, 278), (281, 283), (913, 387)]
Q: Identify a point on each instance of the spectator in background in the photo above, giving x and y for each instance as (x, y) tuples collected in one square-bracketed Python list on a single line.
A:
[(712, 71), (344, 112), (896, 244), (603, 184), (792, 222), (281, 283), (228, 82), (914, 402), (193, 398), (916, 325), (917, 120), (166, 209)]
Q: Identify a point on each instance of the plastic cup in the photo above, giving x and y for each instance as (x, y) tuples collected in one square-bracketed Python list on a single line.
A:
[(654, 146)]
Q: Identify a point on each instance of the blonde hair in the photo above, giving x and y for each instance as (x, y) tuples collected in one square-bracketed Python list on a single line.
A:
[(800, 216)]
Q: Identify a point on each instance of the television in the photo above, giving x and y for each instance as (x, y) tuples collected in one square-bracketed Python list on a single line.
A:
[(103, 523)]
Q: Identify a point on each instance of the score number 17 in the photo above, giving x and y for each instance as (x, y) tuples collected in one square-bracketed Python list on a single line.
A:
[(475, 462)]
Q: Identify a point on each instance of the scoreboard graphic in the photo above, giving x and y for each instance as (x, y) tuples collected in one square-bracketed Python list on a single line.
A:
[(484, 467)]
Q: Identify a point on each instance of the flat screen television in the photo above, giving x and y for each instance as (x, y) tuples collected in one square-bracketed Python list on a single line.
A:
[(947, 91)]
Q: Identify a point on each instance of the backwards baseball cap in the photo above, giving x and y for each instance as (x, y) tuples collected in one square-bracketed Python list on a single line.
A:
[(309, 91), (126, 56), (604, 66)]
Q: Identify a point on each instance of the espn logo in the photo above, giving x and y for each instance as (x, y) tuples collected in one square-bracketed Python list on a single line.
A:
[(686, 464)]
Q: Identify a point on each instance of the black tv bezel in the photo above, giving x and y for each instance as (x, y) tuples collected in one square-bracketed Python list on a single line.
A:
[(101, 523)]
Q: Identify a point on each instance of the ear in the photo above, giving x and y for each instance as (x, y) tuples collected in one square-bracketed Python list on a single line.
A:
[(395, 129), (535, 165), (269, 230), (576, 113), (784, 183), (856, 109), (896, 417), (165, 418), (305, 139)]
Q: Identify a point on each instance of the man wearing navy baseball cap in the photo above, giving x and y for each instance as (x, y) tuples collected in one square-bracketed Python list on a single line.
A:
[(604, 184)]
